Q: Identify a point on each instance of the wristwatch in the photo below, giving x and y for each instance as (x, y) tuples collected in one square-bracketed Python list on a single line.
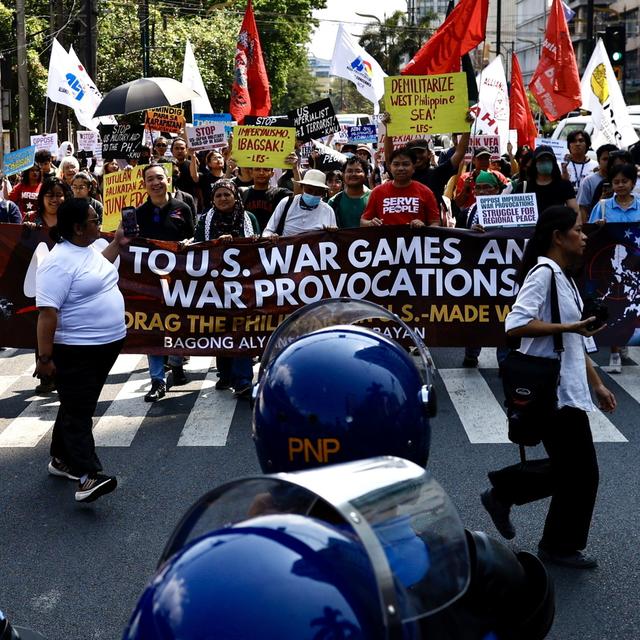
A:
[(44, 359)]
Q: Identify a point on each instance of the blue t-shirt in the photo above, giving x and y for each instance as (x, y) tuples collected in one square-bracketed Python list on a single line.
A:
[(613, 212)]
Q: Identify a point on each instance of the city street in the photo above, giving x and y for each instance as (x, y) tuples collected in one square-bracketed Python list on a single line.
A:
[(74, 572)]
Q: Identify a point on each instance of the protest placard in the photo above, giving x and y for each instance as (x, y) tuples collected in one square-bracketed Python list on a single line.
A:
[(560, 148), (362, 134), (314, 120), (426, 104), (48, 141), (263, 146), (20, 160), (200, 118), (121, 141), (269, 121), (328, 158), (124, 189), (210, 135), (90, 142), (166, 119), (514, 210), (491, 142)]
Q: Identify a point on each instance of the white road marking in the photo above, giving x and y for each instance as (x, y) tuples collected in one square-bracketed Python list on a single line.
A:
[(31, 425)]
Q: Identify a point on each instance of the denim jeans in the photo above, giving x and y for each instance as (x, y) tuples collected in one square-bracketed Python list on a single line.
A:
[(156, 366)]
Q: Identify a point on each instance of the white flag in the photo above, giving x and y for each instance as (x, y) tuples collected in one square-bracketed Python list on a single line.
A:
[(352, 62), (492, 110), (191, 78), (58, 88), (602, 96)]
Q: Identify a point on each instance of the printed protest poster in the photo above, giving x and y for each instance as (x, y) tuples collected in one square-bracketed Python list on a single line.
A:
[(20, 160), (263, 146), (362, 134), (166, 119), (514, 210), (210, 135), (560, 147), (269, 121), (89, 142), (48, 141), (327, 158), (314, 120), (491, 142), (124, 189), (426, 104), (201, 118), (121, 141)]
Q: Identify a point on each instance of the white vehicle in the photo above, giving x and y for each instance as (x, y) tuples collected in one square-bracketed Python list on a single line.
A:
[(584, 123)]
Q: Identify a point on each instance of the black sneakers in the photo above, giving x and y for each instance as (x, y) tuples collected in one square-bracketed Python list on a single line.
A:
[(179, 377), (575, 560), (61, 470), (243, 391), (95, 486), (499, 512), (158, 390), (221, 385), (46, 386)]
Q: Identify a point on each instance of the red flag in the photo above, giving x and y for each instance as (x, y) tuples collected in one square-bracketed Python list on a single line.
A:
[(250, 91), (463, 30), (520, 116), (556, 83)]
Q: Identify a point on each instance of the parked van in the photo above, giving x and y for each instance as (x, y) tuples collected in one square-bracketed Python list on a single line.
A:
[(584, 123)]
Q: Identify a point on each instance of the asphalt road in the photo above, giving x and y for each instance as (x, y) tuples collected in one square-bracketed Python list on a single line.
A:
[(74, 572)]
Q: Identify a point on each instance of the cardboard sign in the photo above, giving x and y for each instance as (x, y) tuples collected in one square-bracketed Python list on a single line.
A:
[(491, 142), (426, 104), (124, 189), (560, 148), (20, 160), (263, 146), (210, 135), (167, 119), (48, 141), (514, 210), (314, 120), (328, 158), (121, 141), (269, 121), (89, 141), (363, 134)]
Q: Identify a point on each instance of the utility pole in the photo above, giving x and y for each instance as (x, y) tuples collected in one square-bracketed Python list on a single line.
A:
[(143, 18), (498, 26), (589, 47), (90, 42), (23, 78), (1, 126)]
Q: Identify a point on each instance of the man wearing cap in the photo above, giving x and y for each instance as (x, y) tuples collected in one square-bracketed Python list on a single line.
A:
[(304, 212), (464, 193)]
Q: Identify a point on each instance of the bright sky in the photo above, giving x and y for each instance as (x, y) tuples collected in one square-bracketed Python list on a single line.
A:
[(345, 11)]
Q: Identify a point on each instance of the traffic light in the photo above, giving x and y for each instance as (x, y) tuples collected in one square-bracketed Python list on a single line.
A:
[(615, 42)]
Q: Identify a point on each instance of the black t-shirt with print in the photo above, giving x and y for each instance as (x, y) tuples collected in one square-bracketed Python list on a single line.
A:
[(262, 202), (171, 222)]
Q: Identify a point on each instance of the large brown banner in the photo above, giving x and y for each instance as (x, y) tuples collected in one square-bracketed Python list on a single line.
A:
[(454, 287)]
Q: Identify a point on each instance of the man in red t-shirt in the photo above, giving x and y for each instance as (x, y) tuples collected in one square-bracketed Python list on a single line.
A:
[(401, 200)]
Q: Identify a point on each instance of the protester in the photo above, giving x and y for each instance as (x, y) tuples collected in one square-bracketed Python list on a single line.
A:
[(9, 212), (51, 195), (589, 184), (545, 181), (334, 182), (184, 181), (162, 217), (81, 330), (44, 161), (206, 177), (226, 220), (68, 168), (401, 200), (83, 186), (25, 194), (465, 185), (577, 165), (244, 177), (159, 150), (349, 205), (304, 212), (572, 477)]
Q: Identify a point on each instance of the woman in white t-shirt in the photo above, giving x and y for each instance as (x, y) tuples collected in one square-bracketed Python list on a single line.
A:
[(81, 330)]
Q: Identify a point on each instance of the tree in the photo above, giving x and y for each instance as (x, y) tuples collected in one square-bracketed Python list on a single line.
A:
[(346, 98), (302, 89)]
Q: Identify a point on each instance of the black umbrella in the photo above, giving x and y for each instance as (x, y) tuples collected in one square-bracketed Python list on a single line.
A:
[(145, 93)]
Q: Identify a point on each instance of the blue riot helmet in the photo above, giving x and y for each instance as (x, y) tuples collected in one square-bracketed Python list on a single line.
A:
[(362, 550), (331, 391)]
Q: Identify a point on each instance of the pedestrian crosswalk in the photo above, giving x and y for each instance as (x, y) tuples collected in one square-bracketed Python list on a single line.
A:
[(205, 416)]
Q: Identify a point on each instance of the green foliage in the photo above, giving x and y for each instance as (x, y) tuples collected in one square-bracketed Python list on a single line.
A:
[(346, 98), (302, 89)]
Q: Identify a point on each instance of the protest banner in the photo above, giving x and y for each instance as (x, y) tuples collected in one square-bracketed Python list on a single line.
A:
[(47, 141), (362, 134), (327, 158), (89, 142), (121, 141), (20, 160), (124, 189), (491, 142), (426, 104), (314, 120), (165, 119), (269, 121), (263, 146), (514, 210), (206, 136), (453, 287), (560, 147)]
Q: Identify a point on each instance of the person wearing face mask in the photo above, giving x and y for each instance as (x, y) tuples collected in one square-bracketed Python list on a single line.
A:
[(304, 212), (544, 179)]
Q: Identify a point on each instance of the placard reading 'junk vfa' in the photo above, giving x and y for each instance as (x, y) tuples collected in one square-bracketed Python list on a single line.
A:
[(120, 141), (315, 120)]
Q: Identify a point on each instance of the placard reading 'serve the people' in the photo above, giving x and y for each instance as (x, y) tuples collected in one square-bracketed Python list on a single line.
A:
[(255, 146), (426, 104)]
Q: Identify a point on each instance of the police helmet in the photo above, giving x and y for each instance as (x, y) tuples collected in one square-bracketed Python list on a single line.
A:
[(330, 391)]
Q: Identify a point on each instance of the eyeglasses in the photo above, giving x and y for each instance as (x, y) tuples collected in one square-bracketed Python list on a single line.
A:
[(96, 220), (54, 196), (160, 144)]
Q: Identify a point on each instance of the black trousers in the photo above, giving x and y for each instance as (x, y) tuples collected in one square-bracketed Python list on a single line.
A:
[(81, 371), (570, 476)]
